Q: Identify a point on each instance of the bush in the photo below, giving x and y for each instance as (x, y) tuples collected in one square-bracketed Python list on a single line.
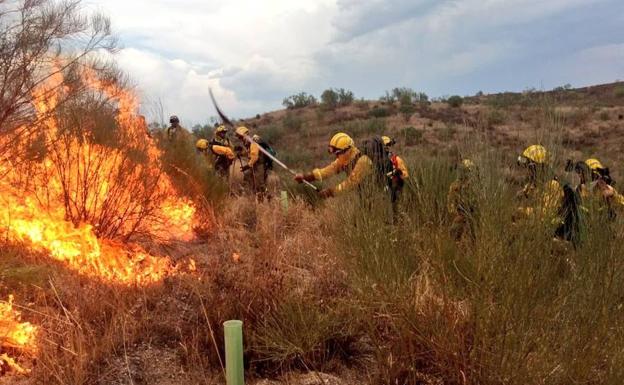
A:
[(272, 134), (366, 128), (329, 99), (604, 116), (455, 101), (379, 112), (412, 136), (339, 97), (447, 133), (299, 100), (407, 110), (292, 122), (618, 92), (495, 117)]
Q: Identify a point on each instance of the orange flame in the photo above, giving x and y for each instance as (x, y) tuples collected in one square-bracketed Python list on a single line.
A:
[(15, 334), (39, 215)]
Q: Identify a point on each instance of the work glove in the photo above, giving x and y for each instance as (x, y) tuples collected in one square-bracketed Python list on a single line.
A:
[(326, 193), (307, 177), (245, 168)]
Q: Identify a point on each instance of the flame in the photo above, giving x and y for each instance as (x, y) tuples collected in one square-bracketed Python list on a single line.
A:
[(76, 196), (15, 334)]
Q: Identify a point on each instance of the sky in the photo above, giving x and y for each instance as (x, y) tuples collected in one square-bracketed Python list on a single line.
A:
[(254, 53)]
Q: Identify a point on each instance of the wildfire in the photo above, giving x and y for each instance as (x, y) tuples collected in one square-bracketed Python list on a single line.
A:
[(84, 191), (15, 335)]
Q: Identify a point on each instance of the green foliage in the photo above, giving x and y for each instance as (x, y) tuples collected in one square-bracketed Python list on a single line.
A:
[(412, 135), (455, 101), (407, 110), (299, 100), (565, 87), (272, 134), (379, 112), (190, 172), (447, 133), (338, 97), (618, 92), (292, 122), (366, 128), (495, 117), (203, 132)]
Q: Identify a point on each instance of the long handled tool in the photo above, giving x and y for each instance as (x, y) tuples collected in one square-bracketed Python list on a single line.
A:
[(227, 121)]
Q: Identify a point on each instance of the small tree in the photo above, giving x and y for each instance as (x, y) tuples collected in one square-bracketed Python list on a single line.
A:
[(329, 99), (299, 100), (455, 101), (345, 97)]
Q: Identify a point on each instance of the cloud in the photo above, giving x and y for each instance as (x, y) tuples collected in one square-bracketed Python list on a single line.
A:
[(254, 53)]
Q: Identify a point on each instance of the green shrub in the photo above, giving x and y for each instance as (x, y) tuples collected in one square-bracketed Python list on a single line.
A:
[(412, 135), (447, 133), (299, 100), (407, 110), (292, 122), (495, 117), (329, 99), (272, 133), (618, 92), (379, 112), (339, 97), (455, 101)]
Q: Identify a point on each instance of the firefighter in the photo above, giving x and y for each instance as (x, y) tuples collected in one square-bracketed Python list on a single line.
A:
[(555, 205), (222, 154), (462, 202), (596, 187), (174, 129), (397, 176), (257, 167), (539, 185), (349, 160)]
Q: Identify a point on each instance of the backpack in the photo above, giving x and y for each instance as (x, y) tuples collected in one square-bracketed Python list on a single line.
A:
[(382, 164), (570, 213), (268, 162)]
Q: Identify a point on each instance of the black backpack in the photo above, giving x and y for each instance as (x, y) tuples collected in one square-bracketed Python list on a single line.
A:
[(268, 162), (382, 164), (570, 213)]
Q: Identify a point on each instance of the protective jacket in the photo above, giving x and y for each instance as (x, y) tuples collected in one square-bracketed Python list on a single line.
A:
[(356, 165)]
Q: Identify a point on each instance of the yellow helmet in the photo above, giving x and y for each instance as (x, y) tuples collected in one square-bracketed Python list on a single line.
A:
[(242, 131), (221, 129), (256, 138), (387, 141), (201, 144), (535, 153), (468, 165), (340, 142), (593, 164)]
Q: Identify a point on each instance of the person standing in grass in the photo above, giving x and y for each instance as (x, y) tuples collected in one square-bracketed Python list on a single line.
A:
[(545, 198), (462, 202), (258, 164), (222, 154), (356, 165), (398, 176), (596, 188)]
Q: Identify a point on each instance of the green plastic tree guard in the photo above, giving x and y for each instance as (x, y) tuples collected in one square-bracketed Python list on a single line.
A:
[(234, 370), (284, 200)]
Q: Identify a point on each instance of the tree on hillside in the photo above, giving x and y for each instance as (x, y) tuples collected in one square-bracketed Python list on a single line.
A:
[(338, 97), (299, 100)]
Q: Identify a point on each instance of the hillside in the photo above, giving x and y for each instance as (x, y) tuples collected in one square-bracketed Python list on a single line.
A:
[(589, 122)]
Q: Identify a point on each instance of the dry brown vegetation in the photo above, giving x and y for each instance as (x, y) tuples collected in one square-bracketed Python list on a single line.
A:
[(327, 290)]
